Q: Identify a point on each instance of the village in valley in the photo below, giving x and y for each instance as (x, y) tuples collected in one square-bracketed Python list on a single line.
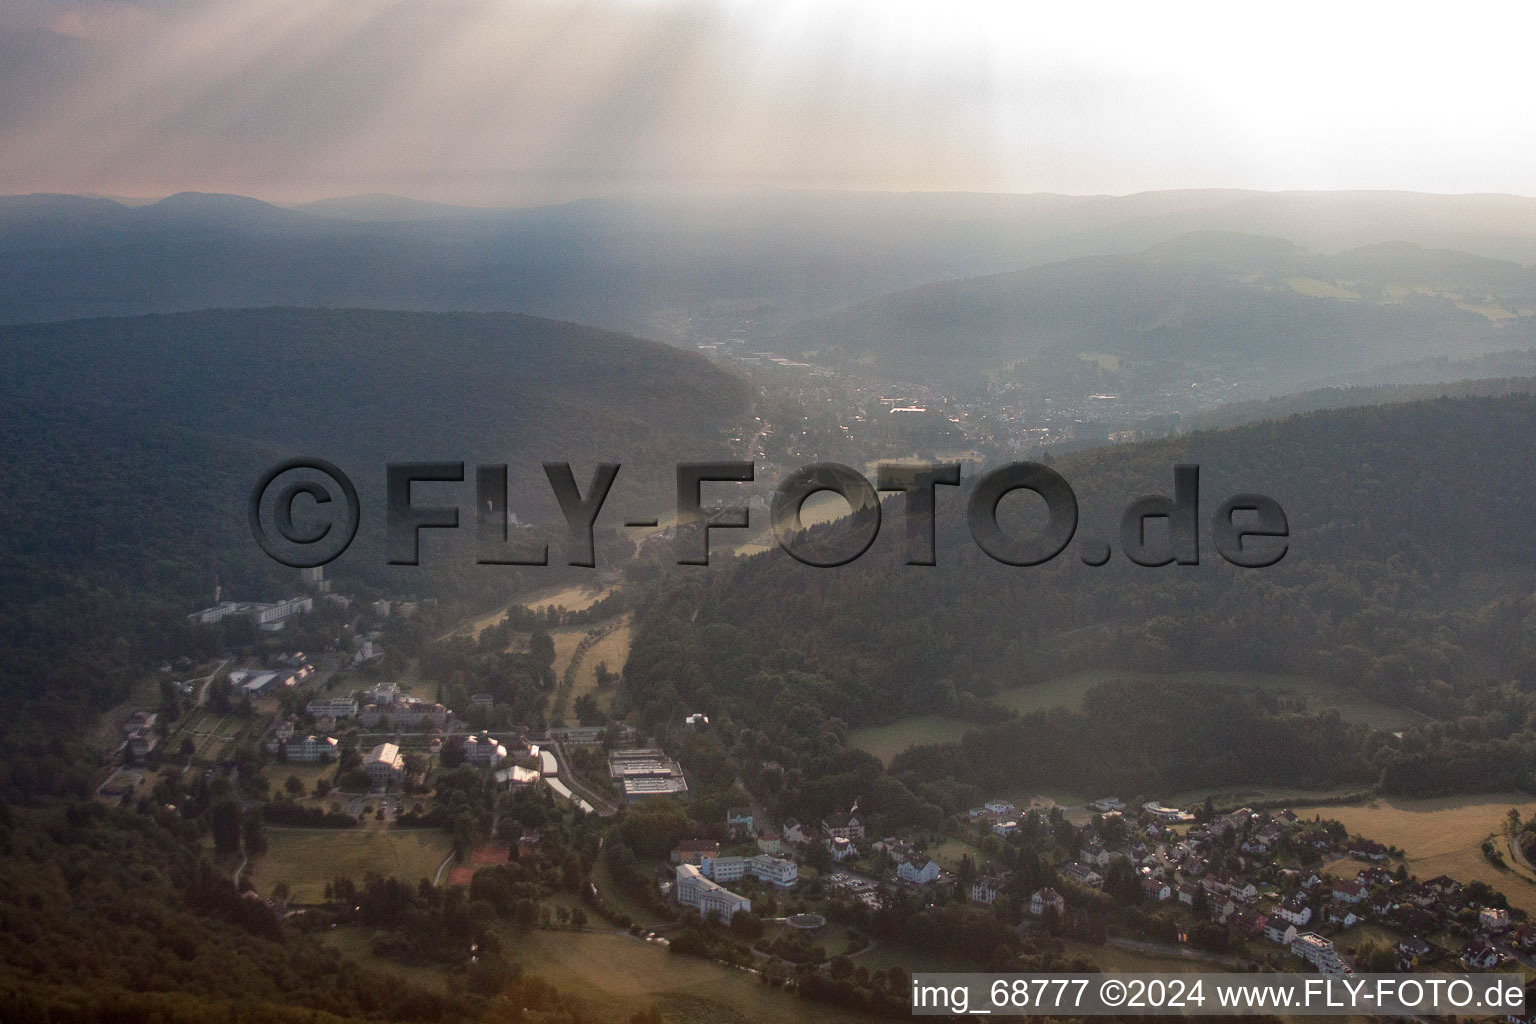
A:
[(337, 779)]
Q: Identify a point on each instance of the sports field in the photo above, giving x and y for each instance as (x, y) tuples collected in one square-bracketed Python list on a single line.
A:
[(309, 858)]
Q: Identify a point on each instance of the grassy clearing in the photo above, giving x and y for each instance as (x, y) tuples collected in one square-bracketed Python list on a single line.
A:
[(886, 741), (612, 650), (1444, 836), (308, 773), (1117, 960), (1319, 289), (356, 944), (619, 898), (574, 598), (951, 850), (620, 974), (1104, 360), (1068, 692), (309, 858)]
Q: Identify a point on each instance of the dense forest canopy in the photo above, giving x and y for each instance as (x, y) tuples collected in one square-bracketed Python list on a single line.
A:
[(1409, 579)]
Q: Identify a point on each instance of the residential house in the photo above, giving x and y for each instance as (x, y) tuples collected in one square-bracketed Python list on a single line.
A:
[(1082, 875), (840, 825), (1493, 919), (1156, 889), (1278, 930), (1367, 849), (1479, 957), (1343, 916), (986, 887), (1295, 910), (918, 870), (739, 821), (1349, 892), (1047, 899)]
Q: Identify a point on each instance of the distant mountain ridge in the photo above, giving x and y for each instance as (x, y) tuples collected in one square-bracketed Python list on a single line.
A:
[(1233, 304), (673, 266)]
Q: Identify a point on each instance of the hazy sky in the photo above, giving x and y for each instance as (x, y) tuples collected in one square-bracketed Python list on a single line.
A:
[(509, 101)]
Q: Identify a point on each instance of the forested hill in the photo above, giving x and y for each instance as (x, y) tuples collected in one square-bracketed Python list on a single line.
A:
[(1409, 577), (131, 446), (1237, 413), (1243, 306), (362, 388), (653, 263)]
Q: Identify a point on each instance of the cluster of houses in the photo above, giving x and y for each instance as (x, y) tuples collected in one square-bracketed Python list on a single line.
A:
[(1215, 867)]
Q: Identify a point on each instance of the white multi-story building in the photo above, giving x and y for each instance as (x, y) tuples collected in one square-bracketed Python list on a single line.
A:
[(270, 616), (776, 871), (403, 713), (693, 889), (333, 707), (918, 870), (1318, 952), (310, 748), (484, 751)]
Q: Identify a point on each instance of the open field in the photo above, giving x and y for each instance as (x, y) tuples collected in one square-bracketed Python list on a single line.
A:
[(612, 650), (886, 741), (355, 943), (574, 598), (1319, 289), (308, 773), (618, 897), (309, 858), (1068, 691), (949, 853), (1443, 836), (621, 974), (566, 642)]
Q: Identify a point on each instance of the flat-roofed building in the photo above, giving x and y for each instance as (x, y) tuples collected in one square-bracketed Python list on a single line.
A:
[(332, 707), (647, 772), (695, 890)]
